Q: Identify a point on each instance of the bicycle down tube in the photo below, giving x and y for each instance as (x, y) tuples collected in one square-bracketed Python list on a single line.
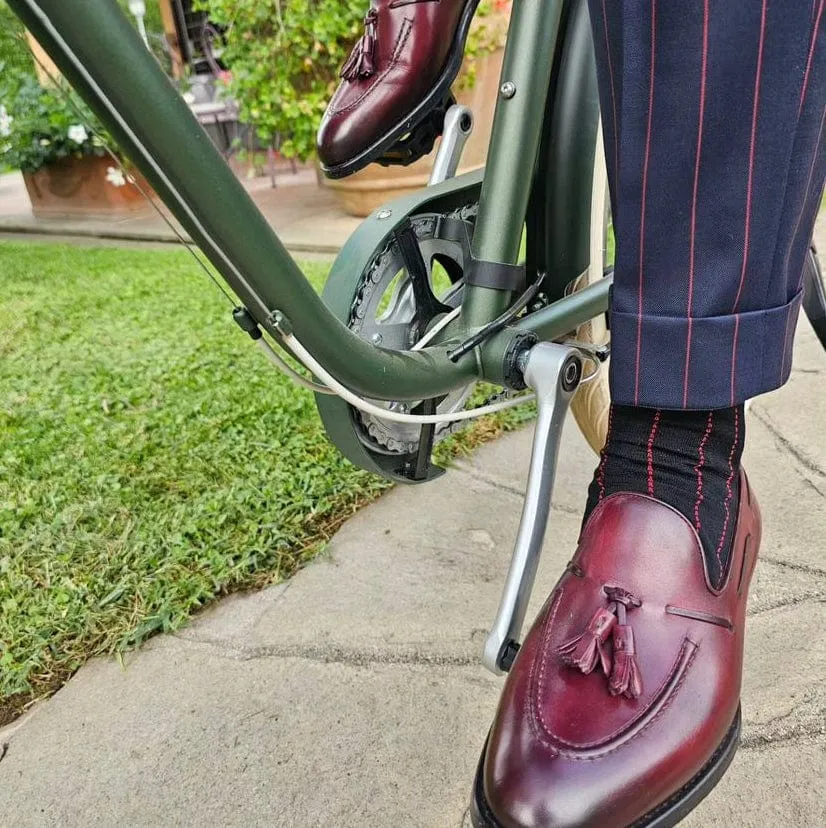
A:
[(99, 52)]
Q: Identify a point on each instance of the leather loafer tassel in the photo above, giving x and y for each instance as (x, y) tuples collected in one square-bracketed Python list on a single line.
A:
[(360, 65), (625, 677), (584, 651)]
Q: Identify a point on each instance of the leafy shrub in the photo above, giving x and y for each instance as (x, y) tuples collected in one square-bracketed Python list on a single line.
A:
[(41, 126), (16, 62)]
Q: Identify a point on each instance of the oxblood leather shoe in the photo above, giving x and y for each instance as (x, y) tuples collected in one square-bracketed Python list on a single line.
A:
[(396, 79), (622, 707)]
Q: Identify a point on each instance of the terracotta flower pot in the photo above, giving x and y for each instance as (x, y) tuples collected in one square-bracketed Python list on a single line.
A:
[(87, 186), (375, 185)]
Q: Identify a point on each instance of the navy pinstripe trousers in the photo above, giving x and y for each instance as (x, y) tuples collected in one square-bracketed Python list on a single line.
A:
[(713, 117)]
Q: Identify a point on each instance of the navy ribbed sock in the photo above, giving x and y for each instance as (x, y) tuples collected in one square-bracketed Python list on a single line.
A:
[(688, 459)]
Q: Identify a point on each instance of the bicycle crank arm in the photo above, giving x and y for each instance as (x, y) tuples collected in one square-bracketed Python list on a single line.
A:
[(457, 129), (554, 372)]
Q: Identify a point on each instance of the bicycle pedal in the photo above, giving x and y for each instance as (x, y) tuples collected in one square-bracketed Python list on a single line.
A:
[(419, 141)]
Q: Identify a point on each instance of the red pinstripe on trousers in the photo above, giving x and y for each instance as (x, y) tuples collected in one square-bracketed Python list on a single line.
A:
[(613, 89), (693, 231)]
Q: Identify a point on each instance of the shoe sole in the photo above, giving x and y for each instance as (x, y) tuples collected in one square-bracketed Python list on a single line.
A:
[(436, 95), (666, 814)]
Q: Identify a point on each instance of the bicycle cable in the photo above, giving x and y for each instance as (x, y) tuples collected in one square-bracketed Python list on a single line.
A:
[(306, 358), (329, 385)]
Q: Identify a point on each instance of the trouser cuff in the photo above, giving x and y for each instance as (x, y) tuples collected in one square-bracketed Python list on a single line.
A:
[(703, 362)]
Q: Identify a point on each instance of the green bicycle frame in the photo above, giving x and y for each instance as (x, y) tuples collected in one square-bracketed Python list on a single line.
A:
[(99, 52)]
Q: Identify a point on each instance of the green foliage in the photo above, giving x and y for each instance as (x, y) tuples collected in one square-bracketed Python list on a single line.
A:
[(42, 126), (284, 57), (16, 62), (15, 57), (151, 457), (38, 126)]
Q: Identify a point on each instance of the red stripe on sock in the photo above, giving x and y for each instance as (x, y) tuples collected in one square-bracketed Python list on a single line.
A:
[(644, 189), (603, 460), (729, 490), (698, 469), (694, 199), (650, 450), (752, 142)]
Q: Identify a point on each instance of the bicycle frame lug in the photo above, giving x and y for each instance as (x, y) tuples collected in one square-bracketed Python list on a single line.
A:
[(280, 323), (513, 370), (554, 372)]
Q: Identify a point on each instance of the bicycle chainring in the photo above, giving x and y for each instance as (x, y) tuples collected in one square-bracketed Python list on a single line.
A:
[(391, 311)]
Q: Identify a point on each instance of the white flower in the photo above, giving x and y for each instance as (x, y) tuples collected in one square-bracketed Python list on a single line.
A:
[(115, 177), (77, 133), (5, 122), (45, 142)]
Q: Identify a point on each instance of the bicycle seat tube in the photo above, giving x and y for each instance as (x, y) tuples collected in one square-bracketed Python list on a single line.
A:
[(517, 129)]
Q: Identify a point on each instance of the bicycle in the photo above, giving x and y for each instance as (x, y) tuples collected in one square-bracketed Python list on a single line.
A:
[(428, 297)]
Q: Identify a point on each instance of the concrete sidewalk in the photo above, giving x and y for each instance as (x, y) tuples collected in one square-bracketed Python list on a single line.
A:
[(306, 216), (353, 695)]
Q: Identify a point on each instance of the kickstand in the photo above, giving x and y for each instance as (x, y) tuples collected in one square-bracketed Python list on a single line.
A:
[(554, 372)]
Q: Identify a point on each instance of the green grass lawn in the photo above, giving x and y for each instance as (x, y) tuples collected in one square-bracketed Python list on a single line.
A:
[(150, 458)]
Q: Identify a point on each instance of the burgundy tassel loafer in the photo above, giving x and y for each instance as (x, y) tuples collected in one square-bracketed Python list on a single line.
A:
[(395, 85), (622, 707)]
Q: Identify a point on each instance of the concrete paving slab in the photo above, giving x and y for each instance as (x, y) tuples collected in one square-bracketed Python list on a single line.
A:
[(502, 465), (785, 649), (794, 511), (306, 216), (351, 696), (187, 737), (781, 786), (427, 586)]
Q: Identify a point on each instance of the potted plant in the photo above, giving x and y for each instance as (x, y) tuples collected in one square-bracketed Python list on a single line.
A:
[(285, 55), (60, 147)]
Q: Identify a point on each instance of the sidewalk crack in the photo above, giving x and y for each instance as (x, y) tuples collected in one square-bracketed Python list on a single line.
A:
[(493, 482), (796, 567), (334, 654), (817, 597), (804, 460)]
